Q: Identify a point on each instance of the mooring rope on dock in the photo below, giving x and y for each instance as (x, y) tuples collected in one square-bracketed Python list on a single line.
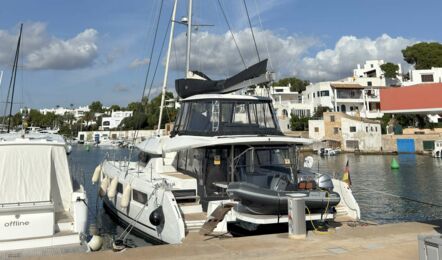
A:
[(403, 197)]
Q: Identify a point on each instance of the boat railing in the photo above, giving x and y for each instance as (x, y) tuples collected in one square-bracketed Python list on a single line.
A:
[(31, 205)]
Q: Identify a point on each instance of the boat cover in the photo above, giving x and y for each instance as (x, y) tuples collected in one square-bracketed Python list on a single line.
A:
[(189, 87), (35, 173)]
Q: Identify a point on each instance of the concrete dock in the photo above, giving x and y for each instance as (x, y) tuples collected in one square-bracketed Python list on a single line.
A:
[(390, 241)]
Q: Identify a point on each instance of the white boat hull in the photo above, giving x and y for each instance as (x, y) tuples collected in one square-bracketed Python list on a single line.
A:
[(172, 228)]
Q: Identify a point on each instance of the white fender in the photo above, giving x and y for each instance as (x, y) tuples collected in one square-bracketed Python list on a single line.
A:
[(95, 243), (96, 174), (125, 199), (104, 185), (112, 190)]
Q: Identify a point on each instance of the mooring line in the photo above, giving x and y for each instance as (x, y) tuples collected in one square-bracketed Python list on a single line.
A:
[(402, 197)]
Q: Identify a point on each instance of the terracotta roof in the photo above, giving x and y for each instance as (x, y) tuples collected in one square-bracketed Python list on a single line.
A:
[(416, 98), (346, 85)]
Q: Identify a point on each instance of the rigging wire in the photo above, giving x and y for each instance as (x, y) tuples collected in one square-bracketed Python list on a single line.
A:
[(251, 29), (231, 33), (135, 136), (159, 58), (152, 49), (265, 38), (13, 79)]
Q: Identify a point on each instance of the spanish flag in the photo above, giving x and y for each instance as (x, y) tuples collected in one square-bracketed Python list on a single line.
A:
[(346, 176)]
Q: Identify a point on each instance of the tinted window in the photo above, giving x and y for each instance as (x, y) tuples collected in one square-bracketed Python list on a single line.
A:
[(120, 188), (139, 196), (221, 117)]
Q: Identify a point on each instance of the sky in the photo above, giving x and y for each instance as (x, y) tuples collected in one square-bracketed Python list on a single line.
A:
[(76, 52)]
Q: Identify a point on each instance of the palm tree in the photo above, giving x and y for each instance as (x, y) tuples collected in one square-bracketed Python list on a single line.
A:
[(88, 117)]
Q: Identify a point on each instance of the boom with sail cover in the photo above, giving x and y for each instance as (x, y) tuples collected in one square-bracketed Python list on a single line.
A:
[(256, 74)]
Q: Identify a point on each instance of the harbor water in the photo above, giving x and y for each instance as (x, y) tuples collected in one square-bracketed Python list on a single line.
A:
[(82, 161), (411, 193)]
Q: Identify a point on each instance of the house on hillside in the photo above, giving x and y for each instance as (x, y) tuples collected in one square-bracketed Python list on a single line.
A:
[(114, 120), (350, 133)]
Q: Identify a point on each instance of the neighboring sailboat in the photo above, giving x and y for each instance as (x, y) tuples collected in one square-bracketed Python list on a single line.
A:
[(225, 154)]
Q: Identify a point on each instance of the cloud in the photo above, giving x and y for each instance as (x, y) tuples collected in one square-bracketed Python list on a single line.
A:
[(41, 51), (336, 63), (121, 88), (138, 62), (216, 54)]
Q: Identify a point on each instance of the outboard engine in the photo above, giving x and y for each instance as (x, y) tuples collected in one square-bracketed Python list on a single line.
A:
[(324, 181)]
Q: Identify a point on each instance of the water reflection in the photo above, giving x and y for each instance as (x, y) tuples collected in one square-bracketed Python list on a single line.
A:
[(419, 177)]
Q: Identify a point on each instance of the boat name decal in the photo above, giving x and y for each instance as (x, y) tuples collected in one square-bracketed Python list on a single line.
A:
[(16, 223)]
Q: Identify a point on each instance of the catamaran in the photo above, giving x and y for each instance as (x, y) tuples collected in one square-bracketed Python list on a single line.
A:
[(225, 164)]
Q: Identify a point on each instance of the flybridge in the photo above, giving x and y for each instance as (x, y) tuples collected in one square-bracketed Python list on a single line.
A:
[(201, 84)]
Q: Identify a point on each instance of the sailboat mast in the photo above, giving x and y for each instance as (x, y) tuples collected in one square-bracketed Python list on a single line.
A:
[(189, 37), (13, 77), (166, 71)]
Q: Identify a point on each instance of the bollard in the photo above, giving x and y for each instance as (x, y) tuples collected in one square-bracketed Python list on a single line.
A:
[(296, 215)]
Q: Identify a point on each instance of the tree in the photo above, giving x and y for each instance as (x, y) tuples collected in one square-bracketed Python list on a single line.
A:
[(88, 117), (298, 85), (320, 111), (390, 70), (419, 121), (135, 106), (298, 123), (424, 55), (115, 108), (146, 114), (135, 122), (96, 107), (35, 118)]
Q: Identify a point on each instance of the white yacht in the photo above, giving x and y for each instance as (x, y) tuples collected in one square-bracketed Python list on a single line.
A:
[(40, 206), (224, 151), (225, 166)]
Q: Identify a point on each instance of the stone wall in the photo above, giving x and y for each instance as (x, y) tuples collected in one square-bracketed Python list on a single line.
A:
[(389, 142)]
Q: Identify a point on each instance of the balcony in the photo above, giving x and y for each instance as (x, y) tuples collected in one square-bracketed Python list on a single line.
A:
[(349, 94)]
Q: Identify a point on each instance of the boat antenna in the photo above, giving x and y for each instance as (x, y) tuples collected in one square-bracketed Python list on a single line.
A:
[(189, 37), (166, 71), (12, 81), (251, 29)]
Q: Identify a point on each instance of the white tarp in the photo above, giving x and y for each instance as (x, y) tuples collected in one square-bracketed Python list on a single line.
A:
[(32, 173)]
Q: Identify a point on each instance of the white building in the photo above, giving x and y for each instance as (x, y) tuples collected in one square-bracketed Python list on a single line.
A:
[(356, 95), (115, 119), (347, 132), (433, 75), (348, 97), (371, 74), (285, 102)]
